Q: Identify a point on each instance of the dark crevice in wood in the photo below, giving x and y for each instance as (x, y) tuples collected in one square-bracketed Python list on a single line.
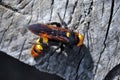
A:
[(10, 40), (75, 26), (23, 7), (90, 41), (52, 6), (103, 7), (107, 32), (3, 35), (74, 7), (90, 8), (31, 12), (88, 11), (5, 31), (52, 2), (85, 33), (88, 24), (8, 7), (20, 1), (1, 21), (65, 8), (22, 47), (79, 18), (109, 23), (2, 30), (108, 64), (116, 10), (88, 35)]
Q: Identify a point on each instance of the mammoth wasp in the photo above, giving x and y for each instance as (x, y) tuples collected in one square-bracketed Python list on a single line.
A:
[(53, 32)]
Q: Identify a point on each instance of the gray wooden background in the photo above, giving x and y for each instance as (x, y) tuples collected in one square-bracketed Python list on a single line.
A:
[(99, 22)]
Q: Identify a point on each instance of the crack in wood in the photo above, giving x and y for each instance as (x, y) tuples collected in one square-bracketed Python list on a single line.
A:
[(27, 3), (112, 72), (112, 15), (19, 2), (10, 40), (8, 7), (77, 25), (66, 6), (90, 8), (3, 35), (2, 31), (116, 10), (52, 7), (103, 7), (108, 64), (107, 32), (88, 23), (5, 31), (21, 49), (73, 11), (86, 33), (31, 12)]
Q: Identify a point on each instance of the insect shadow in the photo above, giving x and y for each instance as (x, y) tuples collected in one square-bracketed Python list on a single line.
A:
[(78, 62)]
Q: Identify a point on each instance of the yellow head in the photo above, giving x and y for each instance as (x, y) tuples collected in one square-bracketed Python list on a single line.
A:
[(81, 39)]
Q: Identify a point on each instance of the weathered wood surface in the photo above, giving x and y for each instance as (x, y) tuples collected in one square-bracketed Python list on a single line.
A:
[(99, 22)]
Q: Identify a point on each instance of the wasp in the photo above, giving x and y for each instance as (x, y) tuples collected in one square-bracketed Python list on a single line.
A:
[(55, 33)]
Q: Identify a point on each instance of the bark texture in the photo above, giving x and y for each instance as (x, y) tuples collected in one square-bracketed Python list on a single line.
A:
[(99, 22)]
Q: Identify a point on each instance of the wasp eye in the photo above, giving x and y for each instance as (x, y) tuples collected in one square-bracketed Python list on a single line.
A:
[(68, 34)]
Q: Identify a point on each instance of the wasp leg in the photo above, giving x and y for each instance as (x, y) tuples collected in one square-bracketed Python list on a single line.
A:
[(59, 47), (39, 41), (62, 21), (55, 23), (62, 50)]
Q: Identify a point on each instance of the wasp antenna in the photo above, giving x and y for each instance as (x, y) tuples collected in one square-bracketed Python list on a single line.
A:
[(62, 21), (31, 42), (73, 26), (76, 24)]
